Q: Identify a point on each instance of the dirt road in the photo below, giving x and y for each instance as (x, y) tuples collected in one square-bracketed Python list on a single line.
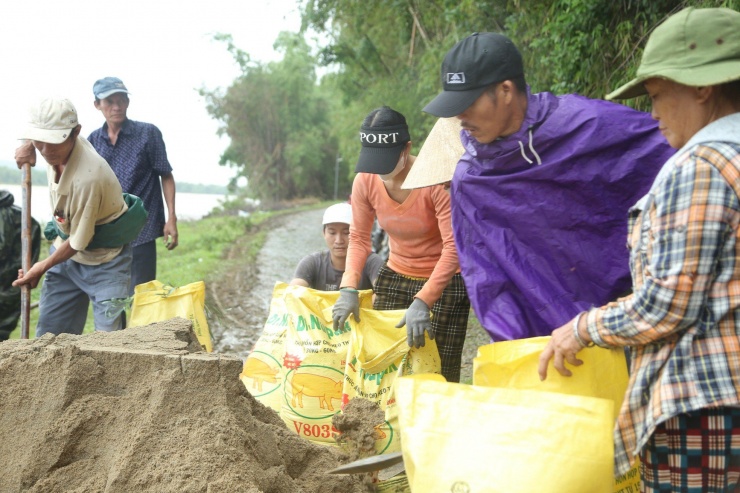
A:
[(241, 299)]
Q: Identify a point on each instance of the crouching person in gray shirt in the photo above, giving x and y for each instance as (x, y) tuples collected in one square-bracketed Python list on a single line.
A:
[(323, 270)]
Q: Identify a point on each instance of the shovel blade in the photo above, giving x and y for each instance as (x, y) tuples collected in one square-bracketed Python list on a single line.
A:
[(369, 464)]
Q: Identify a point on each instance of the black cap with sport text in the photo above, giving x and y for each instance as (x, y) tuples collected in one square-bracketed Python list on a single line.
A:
[(470, 67), (381, 148)]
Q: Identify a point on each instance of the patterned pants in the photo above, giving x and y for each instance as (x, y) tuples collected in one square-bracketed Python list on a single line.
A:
[(394, 291), (697, 452)]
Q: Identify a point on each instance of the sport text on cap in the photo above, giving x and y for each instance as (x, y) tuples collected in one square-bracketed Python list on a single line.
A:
[(107, 86), (381, 148), (51, 120), (470, 67)]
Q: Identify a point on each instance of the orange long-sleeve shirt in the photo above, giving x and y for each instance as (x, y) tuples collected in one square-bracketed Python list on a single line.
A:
[(419, 232)]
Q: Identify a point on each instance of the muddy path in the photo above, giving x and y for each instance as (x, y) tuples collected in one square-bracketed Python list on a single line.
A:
[(242, 296), (240, 300)]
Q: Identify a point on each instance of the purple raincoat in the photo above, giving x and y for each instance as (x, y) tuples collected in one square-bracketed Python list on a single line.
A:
[(538, 243)]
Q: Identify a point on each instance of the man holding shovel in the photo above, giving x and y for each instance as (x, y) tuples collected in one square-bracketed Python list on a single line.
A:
[(92, 226)]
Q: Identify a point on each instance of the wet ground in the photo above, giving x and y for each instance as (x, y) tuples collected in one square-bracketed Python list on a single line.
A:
[(240, 301)]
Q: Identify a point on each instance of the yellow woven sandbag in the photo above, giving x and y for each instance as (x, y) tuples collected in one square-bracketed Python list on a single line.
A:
[(262, 371), (470, 438), (156, 302), (313, 362), (513, 364), (378, 355)]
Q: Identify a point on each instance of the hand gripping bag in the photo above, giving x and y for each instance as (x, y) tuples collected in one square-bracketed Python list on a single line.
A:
[(313, 362), (513, 364), (378, 355)]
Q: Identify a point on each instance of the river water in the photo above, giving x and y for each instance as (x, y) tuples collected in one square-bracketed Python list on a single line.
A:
[(190, 206)]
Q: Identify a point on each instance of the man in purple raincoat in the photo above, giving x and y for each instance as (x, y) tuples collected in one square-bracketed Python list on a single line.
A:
[(541, 195)]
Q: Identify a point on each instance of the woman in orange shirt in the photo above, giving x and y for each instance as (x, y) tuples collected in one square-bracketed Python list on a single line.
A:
[(422, 274)]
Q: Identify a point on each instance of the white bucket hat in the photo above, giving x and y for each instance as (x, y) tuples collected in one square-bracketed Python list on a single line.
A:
[(338, 213), (51, 120)]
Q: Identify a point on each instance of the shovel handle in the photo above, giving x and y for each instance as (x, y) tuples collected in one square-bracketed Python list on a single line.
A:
[(26, 249)]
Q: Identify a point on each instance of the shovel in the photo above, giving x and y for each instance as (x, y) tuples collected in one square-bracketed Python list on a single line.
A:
[(26, 250), (384, 463)]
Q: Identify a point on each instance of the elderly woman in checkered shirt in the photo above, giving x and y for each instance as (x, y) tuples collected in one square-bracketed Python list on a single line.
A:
[(681, 413)]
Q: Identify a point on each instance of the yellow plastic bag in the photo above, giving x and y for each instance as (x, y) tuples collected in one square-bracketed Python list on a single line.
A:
[(156, 302), (513, 364), (470, 438), (313, 362), (378, 355), (262, 371)]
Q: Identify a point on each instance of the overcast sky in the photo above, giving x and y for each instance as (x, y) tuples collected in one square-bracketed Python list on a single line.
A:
[(161, 49)]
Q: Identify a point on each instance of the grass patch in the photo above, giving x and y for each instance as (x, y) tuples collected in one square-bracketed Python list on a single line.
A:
[(199, 255)]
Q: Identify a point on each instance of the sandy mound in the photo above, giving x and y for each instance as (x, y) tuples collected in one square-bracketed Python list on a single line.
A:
[(358, 423), (142, 410)]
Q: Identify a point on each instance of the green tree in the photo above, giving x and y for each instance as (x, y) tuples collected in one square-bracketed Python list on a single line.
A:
[(388, 52), (287, 128), (276, 120), (588, 46)]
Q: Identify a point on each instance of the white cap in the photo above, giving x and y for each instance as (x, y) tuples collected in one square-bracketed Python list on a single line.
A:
[(338, 213), (51, 120), (438, 157)]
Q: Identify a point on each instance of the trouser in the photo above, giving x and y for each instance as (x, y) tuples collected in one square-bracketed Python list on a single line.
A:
[(69, 287), (697, 452), (143, 265), (10, 311), (394, 291)]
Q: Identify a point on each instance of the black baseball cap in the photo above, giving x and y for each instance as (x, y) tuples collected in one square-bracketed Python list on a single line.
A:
[(381, 148), (470, 67)]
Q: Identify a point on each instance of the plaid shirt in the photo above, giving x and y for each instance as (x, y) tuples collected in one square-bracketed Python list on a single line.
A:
[(138, 159), (683, 320)]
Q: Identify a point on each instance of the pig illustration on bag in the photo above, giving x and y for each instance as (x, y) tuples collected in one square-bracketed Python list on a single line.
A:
[(259, 372), (313, 385)]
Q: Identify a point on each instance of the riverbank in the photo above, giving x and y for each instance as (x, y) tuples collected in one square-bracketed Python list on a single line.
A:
[(240, 259), (241, 295)]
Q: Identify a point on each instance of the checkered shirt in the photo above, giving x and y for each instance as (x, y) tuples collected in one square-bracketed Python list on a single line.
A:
[(683, 319)]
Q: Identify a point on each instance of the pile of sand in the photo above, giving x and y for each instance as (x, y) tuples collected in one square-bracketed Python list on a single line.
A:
[(358, 424), (143, 410)]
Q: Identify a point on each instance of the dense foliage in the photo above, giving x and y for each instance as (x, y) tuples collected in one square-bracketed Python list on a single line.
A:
[(287, 128), (277, 118)]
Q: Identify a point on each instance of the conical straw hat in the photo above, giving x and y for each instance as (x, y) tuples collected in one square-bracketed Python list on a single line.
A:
[(438, 156)]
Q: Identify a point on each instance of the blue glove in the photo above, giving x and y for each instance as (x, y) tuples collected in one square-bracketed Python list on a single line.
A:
[(348, 303), (417, 319)]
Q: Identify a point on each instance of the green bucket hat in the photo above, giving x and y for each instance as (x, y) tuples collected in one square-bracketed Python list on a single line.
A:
[(694, 47)]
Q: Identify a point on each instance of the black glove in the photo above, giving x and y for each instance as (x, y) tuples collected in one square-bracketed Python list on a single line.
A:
[(348, 303), (417, 319)]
